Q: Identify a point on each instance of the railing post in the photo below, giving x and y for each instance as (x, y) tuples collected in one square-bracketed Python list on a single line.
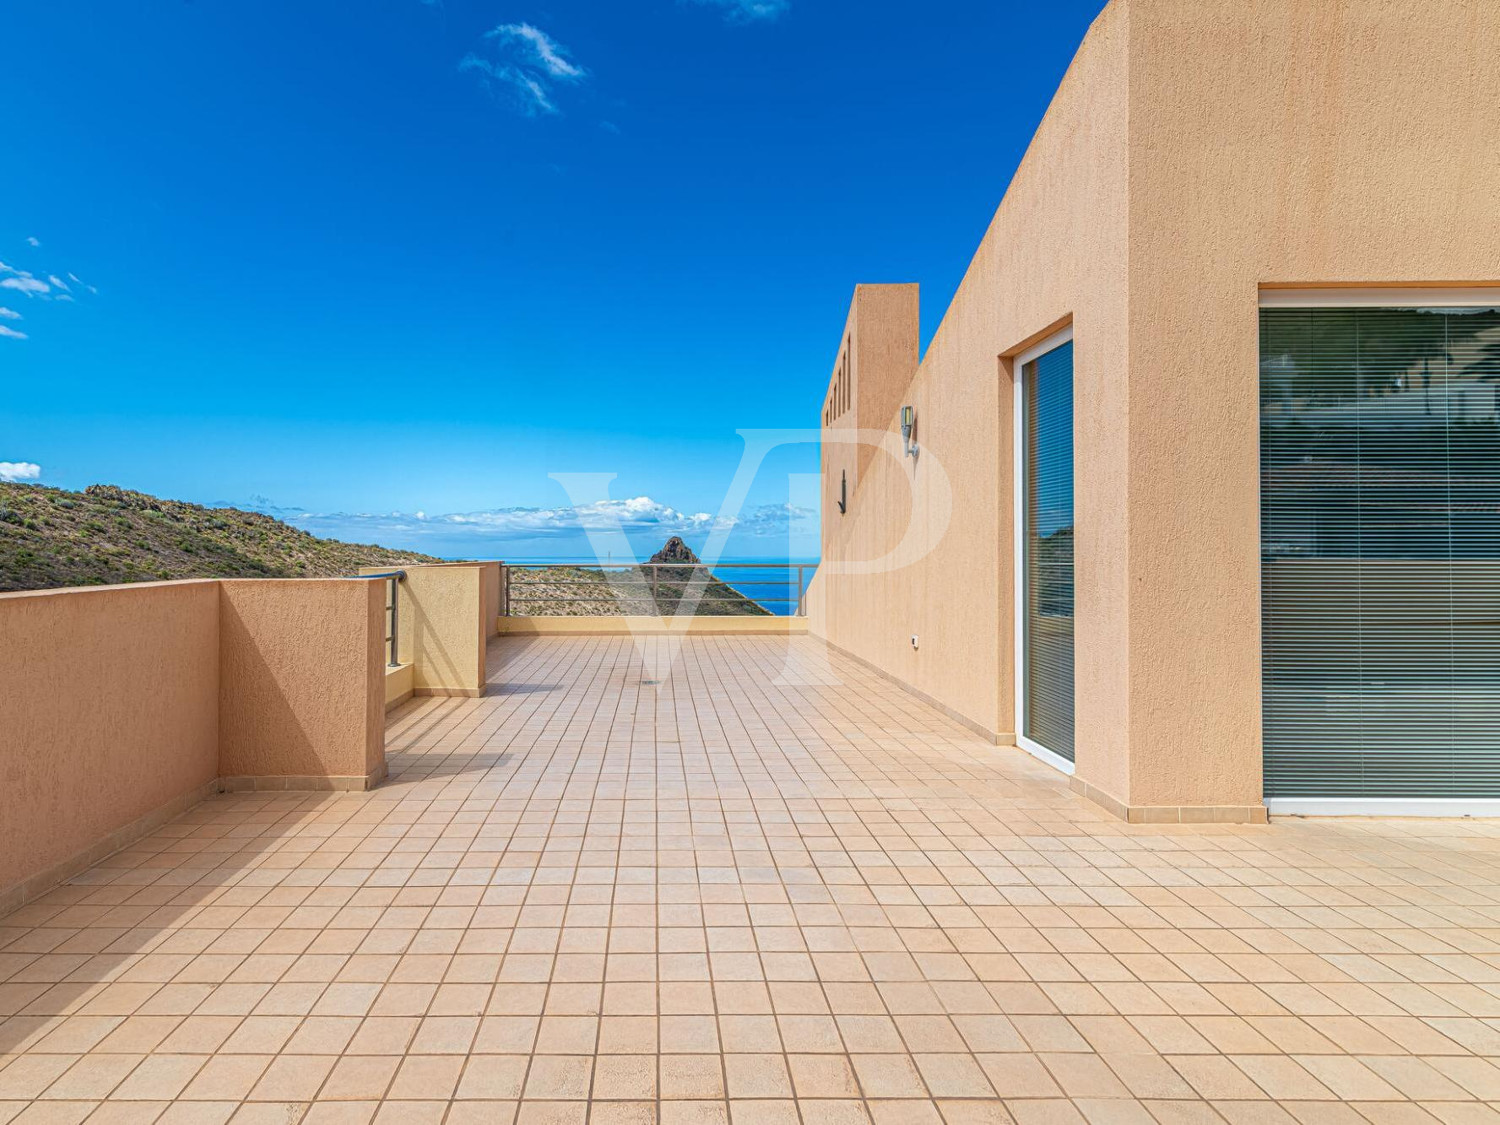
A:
[(395, 657), (505, 589), (655, 579), (801, 607)]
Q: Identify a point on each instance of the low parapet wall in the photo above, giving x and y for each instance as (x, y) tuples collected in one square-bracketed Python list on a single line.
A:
[(121, 706), (302, 683), (108, 713), (446, 614)]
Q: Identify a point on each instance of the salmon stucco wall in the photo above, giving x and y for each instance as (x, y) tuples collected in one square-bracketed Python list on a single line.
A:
[(108, 713), (1055, 253), (302, 683), (492, 597), (1329, 144), (1196, 153), (442, 627)]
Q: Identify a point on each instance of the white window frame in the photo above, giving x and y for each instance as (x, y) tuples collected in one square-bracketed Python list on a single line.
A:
[(1374, 297), (1469, 297), (1018, 473)]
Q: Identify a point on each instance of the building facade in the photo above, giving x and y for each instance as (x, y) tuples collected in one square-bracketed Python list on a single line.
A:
[(1204, 456)]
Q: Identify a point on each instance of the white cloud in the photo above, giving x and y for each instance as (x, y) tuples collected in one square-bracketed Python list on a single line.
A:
[(748, 11), (17, 280), (774, 519), (25, 283), (526, 66), (13, 471), (635, 515), (528, 93), (32, 242), (543, 48)]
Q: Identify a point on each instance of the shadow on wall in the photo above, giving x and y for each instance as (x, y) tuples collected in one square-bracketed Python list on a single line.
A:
[(252, 683), (121, 707)]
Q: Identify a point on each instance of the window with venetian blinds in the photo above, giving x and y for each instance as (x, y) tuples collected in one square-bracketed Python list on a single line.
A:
[(1380, 552)]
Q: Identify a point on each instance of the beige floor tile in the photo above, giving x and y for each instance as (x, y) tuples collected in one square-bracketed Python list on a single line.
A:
[(559, 1078), (691, 1077), (159, 1077), (360, 1078), (625, 1077), (227, 1078)]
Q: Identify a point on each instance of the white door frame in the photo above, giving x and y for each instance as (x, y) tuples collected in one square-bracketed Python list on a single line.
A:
[(1018, 474)]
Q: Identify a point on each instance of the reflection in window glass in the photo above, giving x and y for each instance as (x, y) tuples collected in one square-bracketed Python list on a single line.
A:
[(1380, 552), (1047, 395)]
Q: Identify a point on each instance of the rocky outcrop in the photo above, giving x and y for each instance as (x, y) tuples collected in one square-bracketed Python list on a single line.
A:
[(674, 551)]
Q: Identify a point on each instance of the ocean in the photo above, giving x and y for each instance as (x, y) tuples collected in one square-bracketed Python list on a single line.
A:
[(772, 584)]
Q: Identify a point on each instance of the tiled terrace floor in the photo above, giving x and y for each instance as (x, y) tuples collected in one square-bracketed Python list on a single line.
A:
[(747, 896)]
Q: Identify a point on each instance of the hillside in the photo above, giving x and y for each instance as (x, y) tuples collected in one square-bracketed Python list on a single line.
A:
[(581, 591), (50, 537)]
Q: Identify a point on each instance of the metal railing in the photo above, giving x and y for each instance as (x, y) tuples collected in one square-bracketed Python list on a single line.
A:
[(652, 589), (393, 580)]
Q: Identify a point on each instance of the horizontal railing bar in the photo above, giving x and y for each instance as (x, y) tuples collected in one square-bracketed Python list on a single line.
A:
[(645, 597), (530, 590), (658, 566), (590, 582), (603, 598)]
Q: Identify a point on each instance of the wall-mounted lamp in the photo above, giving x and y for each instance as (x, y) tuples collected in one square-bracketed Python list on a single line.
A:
[(843, 491), (908, 425)]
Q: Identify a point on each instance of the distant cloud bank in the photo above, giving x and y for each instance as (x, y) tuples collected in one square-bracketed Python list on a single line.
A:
[(14, 471), (638, 513), (642, 519)]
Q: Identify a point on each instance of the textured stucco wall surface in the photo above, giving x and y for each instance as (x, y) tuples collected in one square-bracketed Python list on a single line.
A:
[(1055, 251), (108, 710), (491, 609), (1350, 142), (301, 683), (122, 705), (1195, 152), (443, 628)]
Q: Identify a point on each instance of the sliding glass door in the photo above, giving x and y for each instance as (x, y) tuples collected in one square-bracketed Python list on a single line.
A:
[(1044, 475)]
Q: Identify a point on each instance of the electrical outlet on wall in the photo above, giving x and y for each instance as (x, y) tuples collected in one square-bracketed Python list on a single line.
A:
[(914, 641)]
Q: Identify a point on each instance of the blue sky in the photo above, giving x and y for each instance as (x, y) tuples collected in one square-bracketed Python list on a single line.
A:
[(348, 260)]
